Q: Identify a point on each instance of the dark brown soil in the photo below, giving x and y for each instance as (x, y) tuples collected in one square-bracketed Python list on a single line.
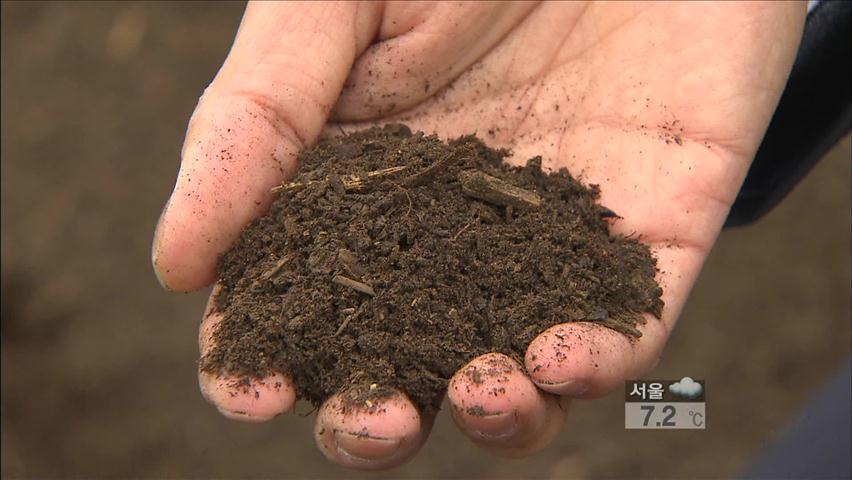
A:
[(393, 259)]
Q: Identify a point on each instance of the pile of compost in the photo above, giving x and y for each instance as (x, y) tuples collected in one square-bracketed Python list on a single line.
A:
[(392, 259)]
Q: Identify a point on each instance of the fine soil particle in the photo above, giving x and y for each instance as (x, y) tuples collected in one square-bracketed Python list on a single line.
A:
[(392, 259)]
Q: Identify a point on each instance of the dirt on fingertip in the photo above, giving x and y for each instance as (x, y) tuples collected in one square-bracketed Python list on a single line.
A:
[(392, 259)]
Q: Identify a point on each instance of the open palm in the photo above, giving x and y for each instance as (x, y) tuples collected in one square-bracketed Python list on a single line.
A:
[(662, 105)]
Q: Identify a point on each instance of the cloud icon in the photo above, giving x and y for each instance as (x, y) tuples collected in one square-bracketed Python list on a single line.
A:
[(686, 387)]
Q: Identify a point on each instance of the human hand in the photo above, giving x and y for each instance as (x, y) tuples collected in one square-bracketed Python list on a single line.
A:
[(662, 105)]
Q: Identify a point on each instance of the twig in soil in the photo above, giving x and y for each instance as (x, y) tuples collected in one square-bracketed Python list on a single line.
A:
[(281, 313), (272, 271), (343, 325), (410, 203), (427, 174), (350, 182), (354, 285), (355, 182), (490, 189), (456, 236)]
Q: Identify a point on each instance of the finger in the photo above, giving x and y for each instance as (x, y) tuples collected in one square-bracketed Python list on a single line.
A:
[(498, 407), (268, 101), (422, 48), (587, 360), (249, 400), (382, 434), (580, 359)]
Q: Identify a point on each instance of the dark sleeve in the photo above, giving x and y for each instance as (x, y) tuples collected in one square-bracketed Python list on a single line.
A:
[(815, 111), (816, 444)]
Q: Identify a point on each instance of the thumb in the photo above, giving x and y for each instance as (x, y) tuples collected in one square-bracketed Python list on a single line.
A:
[(268, 101)]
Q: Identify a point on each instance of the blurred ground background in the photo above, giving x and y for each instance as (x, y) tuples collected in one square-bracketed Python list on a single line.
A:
[(98, 364)]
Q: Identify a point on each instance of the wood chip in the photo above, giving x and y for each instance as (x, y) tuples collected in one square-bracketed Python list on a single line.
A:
[(354, 285), (350, 261), (482, 186)]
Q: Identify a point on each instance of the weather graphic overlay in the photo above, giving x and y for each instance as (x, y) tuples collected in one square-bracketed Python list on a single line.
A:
[(665, 404)]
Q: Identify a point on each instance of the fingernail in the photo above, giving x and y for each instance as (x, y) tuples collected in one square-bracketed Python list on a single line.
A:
[(492, 426), (364, 447), (155, 246), (243, 416), (157, 274), (568, 387)]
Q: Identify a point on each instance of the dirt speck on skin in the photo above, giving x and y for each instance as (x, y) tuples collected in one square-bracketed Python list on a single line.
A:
[(392, 259), (476, 411)]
